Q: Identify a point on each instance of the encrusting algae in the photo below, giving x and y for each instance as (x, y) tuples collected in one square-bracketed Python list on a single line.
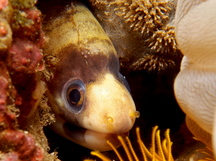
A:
[(159, 151), (21, 86)]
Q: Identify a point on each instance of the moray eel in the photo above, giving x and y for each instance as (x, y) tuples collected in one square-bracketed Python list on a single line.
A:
[(88, 95)]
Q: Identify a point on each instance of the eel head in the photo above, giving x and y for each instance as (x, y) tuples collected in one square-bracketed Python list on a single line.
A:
[(88, 95)]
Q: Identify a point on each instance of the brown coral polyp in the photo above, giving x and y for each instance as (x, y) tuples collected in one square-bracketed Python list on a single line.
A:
[(145, 16), (152, 62), (163, 40)]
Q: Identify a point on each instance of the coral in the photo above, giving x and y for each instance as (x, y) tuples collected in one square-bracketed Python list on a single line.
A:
[(21, 85), (163, 43), (100, 4), (5, 30), (14, 143), (23, 4), (194, 85), (160, 151), (24, 56), (5, 35), (22, 143), (208, 154), (28, 24), (24, 59), (3, 4), (163, 40), (7, 119), (144, 37), (144, 15), (152, 63)]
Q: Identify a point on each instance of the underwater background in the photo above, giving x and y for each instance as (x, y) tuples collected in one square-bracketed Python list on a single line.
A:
[(149, 59)]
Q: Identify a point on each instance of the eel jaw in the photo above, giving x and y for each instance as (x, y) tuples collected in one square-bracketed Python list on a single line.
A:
[(85, 137)]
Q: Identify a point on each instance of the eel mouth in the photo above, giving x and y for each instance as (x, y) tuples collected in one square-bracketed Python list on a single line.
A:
[(92, 139)]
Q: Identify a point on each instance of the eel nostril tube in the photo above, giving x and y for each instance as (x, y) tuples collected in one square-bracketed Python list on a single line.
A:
[(135, 114)]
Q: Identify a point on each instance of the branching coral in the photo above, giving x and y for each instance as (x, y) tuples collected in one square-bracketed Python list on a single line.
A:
[(159, 151)]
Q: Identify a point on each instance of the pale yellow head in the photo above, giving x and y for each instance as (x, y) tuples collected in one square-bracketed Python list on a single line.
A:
[(88, 95)]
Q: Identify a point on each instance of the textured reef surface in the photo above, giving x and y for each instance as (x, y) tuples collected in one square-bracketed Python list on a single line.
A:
[(21, 85), (142, 32)]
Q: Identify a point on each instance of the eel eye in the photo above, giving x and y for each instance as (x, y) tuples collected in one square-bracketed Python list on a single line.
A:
[(73, 94)]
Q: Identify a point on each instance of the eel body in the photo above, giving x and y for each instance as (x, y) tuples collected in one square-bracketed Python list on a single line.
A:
[(88, 95)]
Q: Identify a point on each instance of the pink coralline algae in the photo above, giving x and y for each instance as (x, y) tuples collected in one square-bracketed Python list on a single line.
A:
[(3, 3), (15, 144), (3, 85), (29, 25), (25, 56), (23, 145), (21, 60)]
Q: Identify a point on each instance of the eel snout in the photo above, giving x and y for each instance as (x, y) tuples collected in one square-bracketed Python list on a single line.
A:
[(117, 111)]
